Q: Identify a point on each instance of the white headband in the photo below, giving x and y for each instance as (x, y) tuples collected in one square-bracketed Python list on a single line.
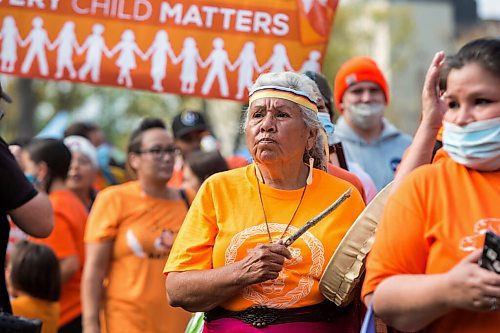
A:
[(80, 144)]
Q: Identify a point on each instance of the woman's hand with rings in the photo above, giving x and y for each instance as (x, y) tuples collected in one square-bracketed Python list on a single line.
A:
[(471, 287)]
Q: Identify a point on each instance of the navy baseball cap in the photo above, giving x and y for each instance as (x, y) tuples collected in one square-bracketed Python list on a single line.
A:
[(187, 122)]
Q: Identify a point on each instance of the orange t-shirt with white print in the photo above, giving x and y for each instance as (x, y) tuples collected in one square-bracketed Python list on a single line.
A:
[(134, 296), (434, 220), (226, 221), (70, 216)]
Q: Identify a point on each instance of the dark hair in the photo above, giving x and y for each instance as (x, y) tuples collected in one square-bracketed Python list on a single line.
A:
[(55, 154), (204, 164), (484, 52), (81, 129), (20, 141), (35, 271), (135, 142), (324, 88)]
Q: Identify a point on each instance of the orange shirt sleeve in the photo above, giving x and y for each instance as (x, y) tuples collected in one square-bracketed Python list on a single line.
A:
[(193, 247), (400, 246), (60, 240), (440, 155), (104, 216)]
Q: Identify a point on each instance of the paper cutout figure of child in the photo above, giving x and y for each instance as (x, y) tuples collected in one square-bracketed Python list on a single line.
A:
[(218, 60), (247, 63), (65, 43), (10, 39), (278, 62), (128, 48), (95, 46), (190, 58), (38, 40), (159, 51), (312, 64)]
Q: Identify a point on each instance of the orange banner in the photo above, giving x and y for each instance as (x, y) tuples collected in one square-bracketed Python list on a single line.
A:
[(205, 48)]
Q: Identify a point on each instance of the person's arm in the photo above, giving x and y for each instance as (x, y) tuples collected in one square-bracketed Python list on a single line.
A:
[(97, 261), (69, 266), (411, 302), (203, 290), (35, 217), (433, 108)]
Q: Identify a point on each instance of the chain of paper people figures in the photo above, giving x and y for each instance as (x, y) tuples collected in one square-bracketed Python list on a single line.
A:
[(160, 50)]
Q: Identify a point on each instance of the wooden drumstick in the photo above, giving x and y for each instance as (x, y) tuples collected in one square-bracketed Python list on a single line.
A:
[(312, 222)]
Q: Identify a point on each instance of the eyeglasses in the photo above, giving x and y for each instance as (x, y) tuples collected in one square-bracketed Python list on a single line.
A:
[(158, 153)]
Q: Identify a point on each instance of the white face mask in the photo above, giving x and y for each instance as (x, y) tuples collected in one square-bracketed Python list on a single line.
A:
[(476, 145), (366, 116)]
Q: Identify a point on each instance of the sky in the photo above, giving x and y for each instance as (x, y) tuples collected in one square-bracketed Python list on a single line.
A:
[(488, 9)]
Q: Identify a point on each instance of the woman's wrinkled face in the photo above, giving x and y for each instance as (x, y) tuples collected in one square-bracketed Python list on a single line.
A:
[(472, 94), (276, 131), (156, 158), (81, 174)]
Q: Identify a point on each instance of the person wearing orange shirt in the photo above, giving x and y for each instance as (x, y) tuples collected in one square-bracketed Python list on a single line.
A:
[(129, 234), (423, 271), (48, 161), (229, 259), (35, 283)]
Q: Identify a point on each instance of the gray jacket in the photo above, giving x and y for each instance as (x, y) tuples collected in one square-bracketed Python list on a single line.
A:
[(379, 158)]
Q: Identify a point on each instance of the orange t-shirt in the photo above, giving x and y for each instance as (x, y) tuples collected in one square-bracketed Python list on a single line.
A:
[(226, 221), (347, 176), (134, 296), (70, 216), (440, 154), (435, 219), (34, 308)]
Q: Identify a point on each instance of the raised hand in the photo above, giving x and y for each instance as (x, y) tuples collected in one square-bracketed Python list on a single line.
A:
[(433, 106)]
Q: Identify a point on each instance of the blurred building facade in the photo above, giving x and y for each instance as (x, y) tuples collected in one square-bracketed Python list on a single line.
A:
[(406, 35)]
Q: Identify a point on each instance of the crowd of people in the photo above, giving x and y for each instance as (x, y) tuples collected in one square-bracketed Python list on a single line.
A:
[(230, 236)]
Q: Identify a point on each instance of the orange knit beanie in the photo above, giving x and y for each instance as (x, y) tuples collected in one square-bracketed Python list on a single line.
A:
[(356, 70)]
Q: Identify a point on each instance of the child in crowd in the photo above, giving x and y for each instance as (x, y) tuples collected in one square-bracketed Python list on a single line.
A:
[(35, 284)]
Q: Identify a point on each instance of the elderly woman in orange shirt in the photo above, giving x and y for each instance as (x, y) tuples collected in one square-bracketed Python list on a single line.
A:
[(229, 259)]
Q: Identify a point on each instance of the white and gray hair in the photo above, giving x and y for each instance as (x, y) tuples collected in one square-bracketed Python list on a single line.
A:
[(303, 84)]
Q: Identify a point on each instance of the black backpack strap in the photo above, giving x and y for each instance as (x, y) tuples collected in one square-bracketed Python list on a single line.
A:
[(184, 197)]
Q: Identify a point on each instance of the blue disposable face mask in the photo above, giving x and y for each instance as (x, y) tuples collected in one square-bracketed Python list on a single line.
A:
[(327, 124), (32, 179), (475, 145)]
